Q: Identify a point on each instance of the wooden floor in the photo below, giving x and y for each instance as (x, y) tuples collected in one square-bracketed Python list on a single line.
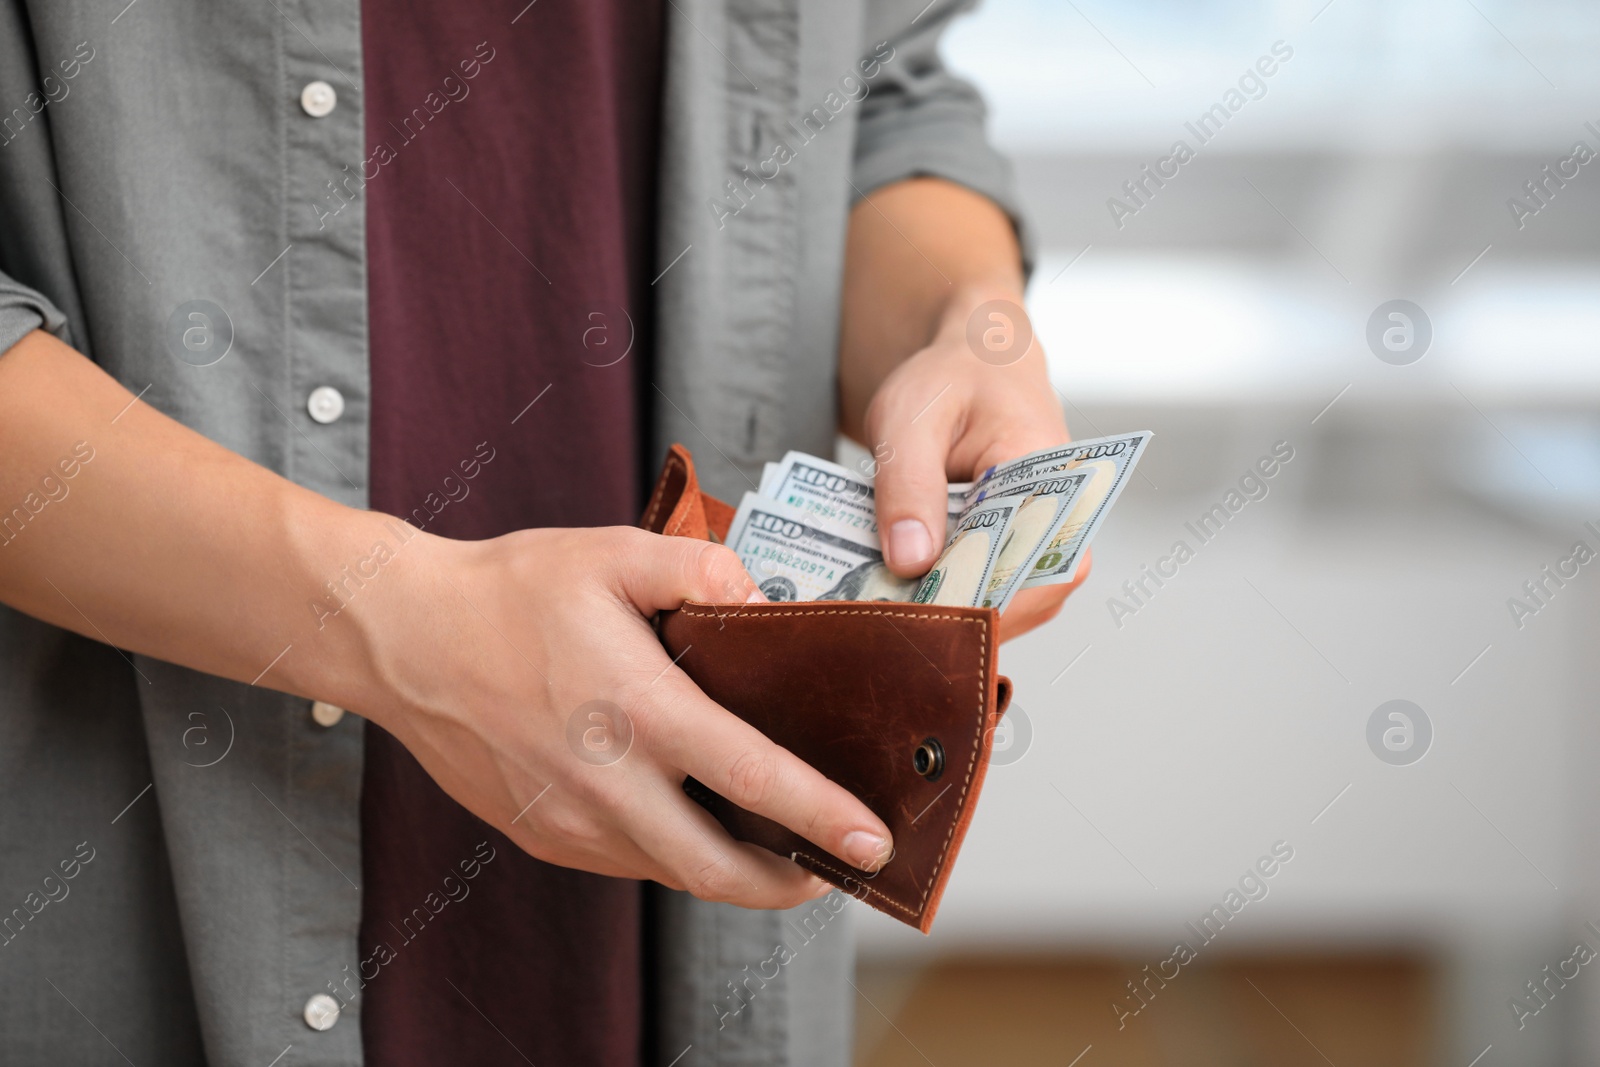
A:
[(1277, 1012)]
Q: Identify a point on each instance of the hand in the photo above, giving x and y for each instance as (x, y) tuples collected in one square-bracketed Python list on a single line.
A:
[(484, 651), (946, 415)]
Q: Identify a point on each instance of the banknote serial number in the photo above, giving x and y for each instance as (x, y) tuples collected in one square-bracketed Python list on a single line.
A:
[(801, 564), (851, 518)]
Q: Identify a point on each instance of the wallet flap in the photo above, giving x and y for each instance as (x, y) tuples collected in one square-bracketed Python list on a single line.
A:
[(894, 702), (679, 508)]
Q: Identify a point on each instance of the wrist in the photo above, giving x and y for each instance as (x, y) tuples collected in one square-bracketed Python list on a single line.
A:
[(967, 296), (355, 583)]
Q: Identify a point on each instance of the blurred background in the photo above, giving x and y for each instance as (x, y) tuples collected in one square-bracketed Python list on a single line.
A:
[(1157, 752)]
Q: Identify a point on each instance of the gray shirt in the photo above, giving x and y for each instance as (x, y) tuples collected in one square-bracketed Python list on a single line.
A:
[(179, 853)]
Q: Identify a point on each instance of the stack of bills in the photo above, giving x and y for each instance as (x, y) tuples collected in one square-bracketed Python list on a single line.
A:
[(811, 531)]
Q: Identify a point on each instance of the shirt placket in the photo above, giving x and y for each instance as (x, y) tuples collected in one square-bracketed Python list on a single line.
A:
[(324, 399)]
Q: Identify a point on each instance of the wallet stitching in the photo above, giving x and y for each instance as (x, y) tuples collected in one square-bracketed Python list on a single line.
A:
[(709, 611), (887, 899), (672, 530), (977, 741), (655, 498)]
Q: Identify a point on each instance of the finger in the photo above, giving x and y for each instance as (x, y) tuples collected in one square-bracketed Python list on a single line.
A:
[(1082, 573), (690, 732), (1034, 607), (912, 433), (697, 855), (573, 835), (658, 573), (1030, 609)]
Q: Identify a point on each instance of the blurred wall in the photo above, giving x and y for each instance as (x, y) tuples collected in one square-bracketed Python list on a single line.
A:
[(1163, 746)]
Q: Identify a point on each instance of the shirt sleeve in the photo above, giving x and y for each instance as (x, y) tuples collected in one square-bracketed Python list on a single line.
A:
[(23, 310), (919, 120)]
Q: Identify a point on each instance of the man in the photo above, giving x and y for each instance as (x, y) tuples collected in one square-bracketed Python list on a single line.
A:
[(277, 277)]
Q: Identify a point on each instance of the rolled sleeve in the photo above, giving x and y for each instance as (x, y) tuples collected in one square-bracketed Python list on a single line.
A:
[(919, 120), (23, 310)]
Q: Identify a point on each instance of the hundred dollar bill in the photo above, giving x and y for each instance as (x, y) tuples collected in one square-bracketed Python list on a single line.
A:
[(839, 496), (1044, 506), (833, 494), (961, 574), (955, 503), (792, 556), (1109, 461)]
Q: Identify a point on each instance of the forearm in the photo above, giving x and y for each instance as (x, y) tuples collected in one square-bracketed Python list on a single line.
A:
[(920, 255), (163, 542), (476, 655)]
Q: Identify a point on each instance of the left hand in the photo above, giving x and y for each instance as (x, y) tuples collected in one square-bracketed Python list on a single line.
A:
[(947, 414)]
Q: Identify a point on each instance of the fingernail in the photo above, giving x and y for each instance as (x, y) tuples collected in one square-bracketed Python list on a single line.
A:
[(755, 597), (822, 890), (909, 542), (866, 850)]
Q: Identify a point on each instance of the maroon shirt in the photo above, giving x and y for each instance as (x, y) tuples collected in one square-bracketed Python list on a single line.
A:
[(509, 238)]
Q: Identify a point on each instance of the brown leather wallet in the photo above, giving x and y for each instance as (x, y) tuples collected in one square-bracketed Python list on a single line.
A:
[(895, 702)]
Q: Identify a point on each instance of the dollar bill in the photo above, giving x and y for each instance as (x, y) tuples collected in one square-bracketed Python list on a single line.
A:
[(1044, 507), (961, 574), (841, 496), (811, 530), (1108, 461), (792, 556), (956, 494), (836, 495)]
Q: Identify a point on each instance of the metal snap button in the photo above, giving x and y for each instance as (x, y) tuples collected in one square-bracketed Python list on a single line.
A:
[(928, 759)]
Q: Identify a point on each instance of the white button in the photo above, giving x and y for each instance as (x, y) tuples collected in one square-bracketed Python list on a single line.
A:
[(318, 99), (325, 403), (326, 714), (322, 1011)]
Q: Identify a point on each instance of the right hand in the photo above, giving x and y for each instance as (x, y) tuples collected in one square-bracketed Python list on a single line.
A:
[(479, 654)]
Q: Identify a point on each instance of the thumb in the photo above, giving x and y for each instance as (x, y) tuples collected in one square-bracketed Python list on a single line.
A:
[(911, 491), (658, 573)]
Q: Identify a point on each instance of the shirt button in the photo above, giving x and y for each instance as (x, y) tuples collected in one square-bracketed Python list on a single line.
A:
[(318, 98), (325, 403), (326, 714), (322, 1011)]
